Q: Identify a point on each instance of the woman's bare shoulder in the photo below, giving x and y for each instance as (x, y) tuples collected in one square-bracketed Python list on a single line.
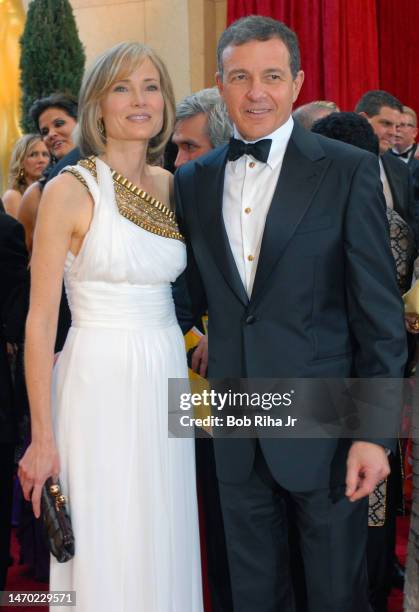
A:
[(12, 195), (163, 181), (11, 200)]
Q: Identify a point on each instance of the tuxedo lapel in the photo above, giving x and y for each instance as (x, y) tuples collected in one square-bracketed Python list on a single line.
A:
[(396, 180), (210, 183), (302, 170)]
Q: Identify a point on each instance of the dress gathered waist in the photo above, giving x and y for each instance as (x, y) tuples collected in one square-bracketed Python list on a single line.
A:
[(120, 306)]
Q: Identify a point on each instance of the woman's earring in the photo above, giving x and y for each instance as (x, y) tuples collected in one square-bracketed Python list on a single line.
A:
[(21, 175), (101, 128)]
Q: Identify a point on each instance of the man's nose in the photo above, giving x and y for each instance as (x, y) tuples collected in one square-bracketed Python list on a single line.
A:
[(256, 91), (181, 158)]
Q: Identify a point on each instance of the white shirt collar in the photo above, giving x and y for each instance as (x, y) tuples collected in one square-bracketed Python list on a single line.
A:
[(280, 138)]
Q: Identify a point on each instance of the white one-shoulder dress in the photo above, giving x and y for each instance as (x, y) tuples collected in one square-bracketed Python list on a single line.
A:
[(131, 489)]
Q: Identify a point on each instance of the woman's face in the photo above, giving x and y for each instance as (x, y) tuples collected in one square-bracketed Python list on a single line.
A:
[(36, 160), (56, 129), (133, 108)]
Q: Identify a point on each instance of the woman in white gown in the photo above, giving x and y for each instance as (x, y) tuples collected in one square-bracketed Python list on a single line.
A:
[(99, 417)]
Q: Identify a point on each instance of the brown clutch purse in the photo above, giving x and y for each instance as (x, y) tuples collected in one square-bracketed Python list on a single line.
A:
[(57, 524)]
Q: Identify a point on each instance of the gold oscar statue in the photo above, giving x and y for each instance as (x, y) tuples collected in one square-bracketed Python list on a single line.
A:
[(12, 20)]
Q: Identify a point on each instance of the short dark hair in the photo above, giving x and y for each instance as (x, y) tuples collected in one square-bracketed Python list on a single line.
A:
[(256, 27), (348, 127), (372, 101), (65, 102)]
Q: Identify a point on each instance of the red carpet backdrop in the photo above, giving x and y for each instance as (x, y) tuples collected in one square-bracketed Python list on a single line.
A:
[(349, 46)]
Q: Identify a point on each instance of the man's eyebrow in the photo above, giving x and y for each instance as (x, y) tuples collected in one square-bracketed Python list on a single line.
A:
[(185, 141), (268, 70), (237, 70)]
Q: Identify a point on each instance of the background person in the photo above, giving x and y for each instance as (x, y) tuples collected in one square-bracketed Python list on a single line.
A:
[(381, 554), (308, 113), (202, 124), (29, 159), (56, 117)]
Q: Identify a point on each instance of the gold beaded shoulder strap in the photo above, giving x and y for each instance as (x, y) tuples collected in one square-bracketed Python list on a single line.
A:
[(135, 204)]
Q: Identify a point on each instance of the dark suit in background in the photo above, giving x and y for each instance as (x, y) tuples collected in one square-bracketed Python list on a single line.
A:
[(401, 186), (14, 295)]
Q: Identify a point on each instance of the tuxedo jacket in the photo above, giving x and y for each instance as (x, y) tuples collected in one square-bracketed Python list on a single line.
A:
[(325, 302), (399, 177)]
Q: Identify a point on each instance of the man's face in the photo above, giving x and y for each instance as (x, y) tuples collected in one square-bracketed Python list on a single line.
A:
[(191, 138), (385, 125), (257, 86), (406, 132)]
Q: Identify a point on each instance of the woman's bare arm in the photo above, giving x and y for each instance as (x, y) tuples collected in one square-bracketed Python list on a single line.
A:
[(63, 219), (28, 211)]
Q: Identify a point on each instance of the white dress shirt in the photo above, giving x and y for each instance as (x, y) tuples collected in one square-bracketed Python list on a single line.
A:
[(249, 187), (386, 186)]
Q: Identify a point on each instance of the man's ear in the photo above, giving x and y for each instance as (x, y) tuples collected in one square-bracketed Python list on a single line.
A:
[(219, 82), (297, 84), (363, 114)]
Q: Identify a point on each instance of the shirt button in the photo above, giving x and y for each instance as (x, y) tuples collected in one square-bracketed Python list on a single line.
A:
[(250, 257), (252, 164), (250, 319), (247, 210)]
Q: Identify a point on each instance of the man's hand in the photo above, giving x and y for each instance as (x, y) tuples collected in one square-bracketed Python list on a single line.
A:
[(367, 465), (199, 360)]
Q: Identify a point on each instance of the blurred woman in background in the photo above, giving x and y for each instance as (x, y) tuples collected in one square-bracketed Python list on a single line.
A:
[(29, 159), (56, 118)]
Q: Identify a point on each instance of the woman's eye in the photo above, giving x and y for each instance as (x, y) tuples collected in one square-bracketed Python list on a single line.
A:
[(59, 122), (44, 132), (152, 88), (120, 88)]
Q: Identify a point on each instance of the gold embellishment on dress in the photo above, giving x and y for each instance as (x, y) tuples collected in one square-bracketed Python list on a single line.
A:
[(138, 206), (78, 176)]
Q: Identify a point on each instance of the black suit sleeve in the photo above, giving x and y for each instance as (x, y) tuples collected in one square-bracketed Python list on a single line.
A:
[(375, 309), (188, 291)]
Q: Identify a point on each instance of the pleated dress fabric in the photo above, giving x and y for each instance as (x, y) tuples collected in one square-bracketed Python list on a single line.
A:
[(131, 489)]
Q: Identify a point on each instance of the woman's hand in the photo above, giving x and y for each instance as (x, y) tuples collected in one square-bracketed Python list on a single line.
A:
[(39, 462)]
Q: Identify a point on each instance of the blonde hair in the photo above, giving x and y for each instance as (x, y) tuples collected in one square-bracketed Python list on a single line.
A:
[(409, 111), (17, 178), (113, 65)]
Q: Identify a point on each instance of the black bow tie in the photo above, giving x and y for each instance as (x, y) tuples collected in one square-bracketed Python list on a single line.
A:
[(259, 150), (405, 154)]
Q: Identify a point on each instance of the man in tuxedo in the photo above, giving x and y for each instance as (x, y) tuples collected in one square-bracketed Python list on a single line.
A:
[(406, 150), (288, 249), (405, 146), (384, 113)]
